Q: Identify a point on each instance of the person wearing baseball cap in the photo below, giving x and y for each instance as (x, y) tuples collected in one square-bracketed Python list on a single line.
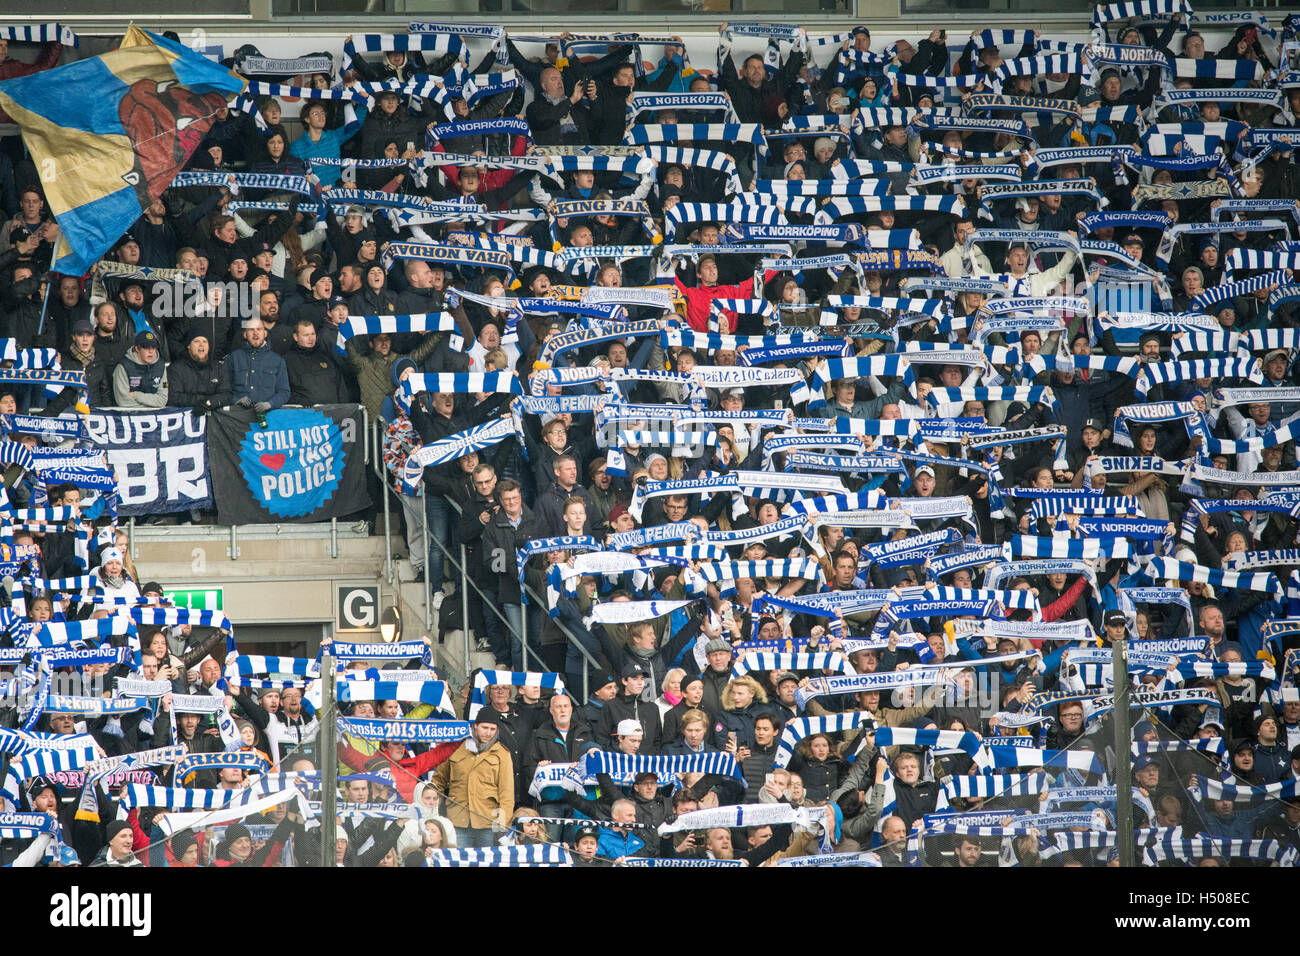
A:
[(923, 481), (586, 840), (628, 705), (140, 379), (1116, 624)]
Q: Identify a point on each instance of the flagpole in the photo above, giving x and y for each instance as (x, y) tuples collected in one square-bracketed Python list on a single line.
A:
[(1123, 755), (329, 759), (45, 301)]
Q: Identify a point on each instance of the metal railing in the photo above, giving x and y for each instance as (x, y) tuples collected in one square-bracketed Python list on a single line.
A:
[(466, 581)]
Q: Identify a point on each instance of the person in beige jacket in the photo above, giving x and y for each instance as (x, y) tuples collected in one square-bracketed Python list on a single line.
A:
[(478, 783)]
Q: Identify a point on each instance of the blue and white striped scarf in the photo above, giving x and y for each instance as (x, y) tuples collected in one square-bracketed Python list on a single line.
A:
[(707, 485), (490, 678), (618, 764), (910, 550), (1211, 789), (53, 633), (457, 446), (1160, 567), (654, 534), (40, 33), (851, 464), (536, 854), (717, 571), (1191, 669), (436, 43), (966, 742), (985, 786), (1242, 287), (661, 862), (760, 661), (707, 158), (674, 337), (246, 664), (849, 205), (1282, 557), (856, 683), (1246, 367), (1171, 848), (1086, 504), (1000, 756), (396, 324), (1030, 394), (173, 799), (503, 383), (187, 764), (627, 612), (1130, 9), (43, 763), (1030, 546), (402, 650), (966, 558), (798, 728), (1212, 745), (432, 692), (845, 368)]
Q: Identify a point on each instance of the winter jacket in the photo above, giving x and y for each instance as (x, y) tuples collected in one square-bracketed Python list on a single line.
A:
[(137, 385), (258, 375), (548, 743), (314, 377), (202, 386), (625, 707), (479, 786), (374, 372), (500, 541), (407, 771)]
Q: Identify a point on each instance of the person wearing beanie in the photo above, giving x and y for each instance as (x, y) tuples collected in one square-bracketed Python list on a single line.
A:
[(478, 784), (692, 698), (197, 380), (117, 849), (315, 306), (237, 847)]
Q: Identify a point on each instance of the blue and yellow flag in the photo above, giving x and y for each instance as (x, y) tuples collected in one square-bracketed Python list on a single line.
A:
[(109, 134)]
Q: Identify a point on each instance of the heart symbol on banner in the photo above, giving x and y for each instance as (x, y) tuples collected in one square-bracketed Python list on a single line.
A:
[(274, 462)]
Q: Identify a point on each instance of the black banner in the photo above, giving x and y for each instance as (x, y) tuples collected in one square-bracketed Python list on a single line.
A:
[(160, 458), (302, 465)]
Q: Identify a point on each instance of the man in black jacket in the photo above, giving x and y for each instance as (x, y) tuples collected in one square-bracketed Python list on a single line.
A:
[(80, 356), (561, 116), (196, 379), (751, 88), (22, 307), (628, 705), (314, 377), (562, 738), (67, 307)]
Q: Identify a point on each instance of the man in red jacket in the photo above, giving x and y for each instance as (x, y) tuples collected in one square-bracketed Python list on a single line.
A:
[(700, 299), (407, 769)]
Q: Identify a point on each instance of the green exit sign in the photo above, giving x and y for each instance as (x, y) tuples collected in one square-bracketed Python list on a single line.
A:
[(204, 599)]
